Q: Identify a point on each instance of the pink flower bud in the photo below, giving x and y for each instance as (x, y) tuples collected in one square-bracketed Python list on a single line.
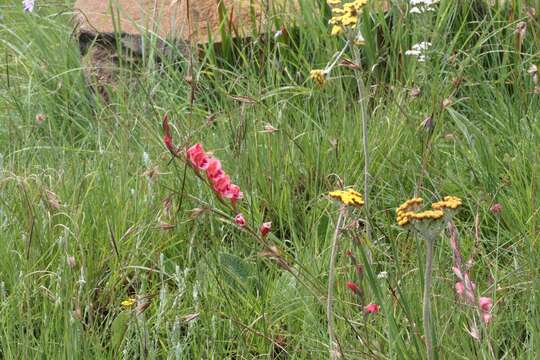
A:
[(240, 220), (265, 228), (40, 118), (496, 209), (167, 137), (372, 308), (71, 261)]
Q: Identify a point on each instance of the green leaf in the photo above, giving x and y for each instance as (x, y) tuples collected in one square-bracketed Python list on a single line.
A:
[(119, 328)]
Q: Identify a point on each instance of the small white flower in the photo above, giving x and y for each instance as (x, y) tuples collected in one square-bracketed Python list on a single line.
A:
[(419, 50), (422, 6), (382, 275), (413, 53), (28, 5), (424, 2), (422, 46)]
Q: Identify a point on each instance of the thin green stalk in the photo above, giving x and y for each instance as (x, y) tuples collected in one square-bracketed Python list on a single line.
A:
[(334, 353), (362, 94), (427, 300)]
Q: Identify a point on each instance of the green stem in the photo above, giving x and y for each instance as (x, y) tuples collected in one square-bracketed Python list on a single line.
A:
[(334, 348), (363, 96), (427, 302)]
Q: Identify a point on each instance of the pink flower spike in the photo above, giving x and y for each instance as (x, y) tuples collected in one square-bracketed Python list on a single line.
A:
[(372, 308), (240, 220), (265, 228)]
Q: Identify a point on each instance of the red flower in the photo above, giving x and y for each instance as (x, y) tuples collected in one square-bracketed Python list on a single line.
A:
[(265, 228), (372, 308), (213, 170), (240, 220), (221, 184), (353, 287)]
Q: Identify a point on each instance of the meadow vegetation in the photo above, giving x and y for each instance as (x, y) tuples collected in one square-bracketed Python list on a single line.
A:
[(115, 242)]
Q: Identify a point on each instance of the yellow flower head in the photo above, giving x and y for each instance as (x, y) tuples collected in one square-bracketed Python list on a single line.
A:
[(406, 212), (409, 204), (129, 302), (347, 197), (319, 76), (336, 30), (449, 202), (345, 15)]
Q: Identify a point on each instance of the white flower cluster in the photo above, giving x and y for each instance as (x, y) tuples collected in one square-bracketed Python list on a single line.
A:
[(419, 50), (422, 6)]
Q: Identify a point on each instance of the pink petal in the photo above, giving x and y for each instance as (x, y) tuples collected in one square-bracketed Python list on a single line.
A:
[(372, 308)]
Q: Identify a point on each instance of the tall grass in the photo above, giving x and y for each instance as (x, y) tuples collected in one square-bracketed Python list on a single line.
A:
[(203, 291)]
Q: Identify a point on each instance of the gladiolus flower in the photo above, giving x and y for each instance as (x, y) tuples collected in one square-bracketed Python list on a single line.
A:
[(214, 171), (221, 184), (265, 228), (233, 192), (197, 157), (372, 308), (240, 220), (353, 287), (485, 305)]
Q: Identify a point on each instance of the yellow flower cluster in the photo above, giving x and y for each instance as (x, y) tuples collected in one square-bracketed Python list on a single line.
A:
[(449, 202), (409, 204), (348, 197), (319, 76), (345, 15), (405, 214), (129, 302)]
